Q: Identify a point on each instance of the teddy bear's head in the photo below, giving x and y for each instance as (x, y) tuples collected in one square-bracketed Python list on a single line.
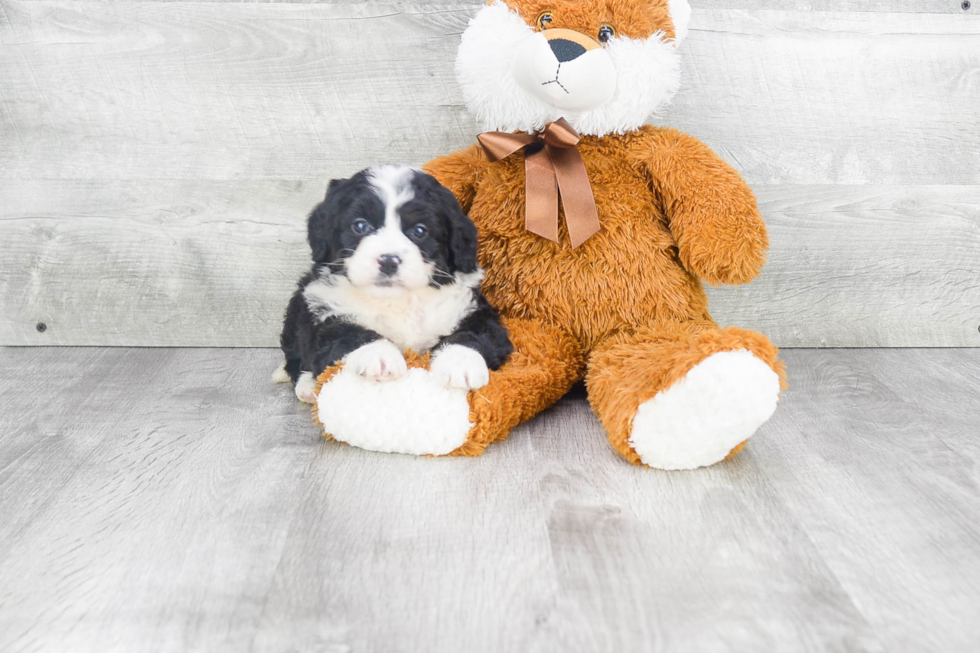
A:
[(604, 65)]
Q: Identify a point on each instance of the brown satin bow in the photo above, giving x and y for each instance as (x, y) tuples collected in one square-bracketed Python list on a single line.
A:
[(554, 166)]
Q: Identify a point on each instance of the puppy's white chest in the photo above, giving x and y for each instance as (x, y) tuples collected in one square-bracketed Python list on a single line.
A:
[(419, 323), (416, 321)]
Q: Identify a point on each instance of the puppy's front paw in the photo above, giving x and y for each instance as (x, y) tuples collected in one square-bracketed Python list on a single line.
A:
[(378, 361), (457, 366), (306, 388)]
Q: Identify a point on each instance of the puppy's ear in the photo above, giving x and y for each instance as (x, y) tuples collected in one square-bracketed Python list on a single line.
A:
[(462, 234), (318, 233), (333, 186), (321, 220), (461, 230)]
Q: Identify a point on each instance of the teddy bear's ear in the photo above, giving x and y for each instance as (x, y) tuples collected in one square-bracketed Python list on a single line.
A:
[(680, 14)]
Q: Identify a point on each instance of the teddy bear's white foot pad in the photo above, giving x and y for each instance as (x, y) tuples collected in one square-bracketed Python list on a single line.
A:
[(412, 415), (697, 421)]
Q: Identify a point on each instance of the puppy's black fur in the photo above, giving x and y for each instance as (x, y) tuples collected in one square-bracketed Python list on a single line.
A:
[(311, 344)]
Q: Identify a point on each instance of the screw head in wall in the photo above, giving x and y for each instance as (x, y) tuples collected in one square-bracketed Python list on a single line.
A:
[(966, 5), (41, 327)]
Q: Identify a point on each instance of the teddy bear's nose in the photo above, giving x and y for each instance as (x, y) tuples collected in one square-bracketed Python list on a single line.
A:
[(566, 50)]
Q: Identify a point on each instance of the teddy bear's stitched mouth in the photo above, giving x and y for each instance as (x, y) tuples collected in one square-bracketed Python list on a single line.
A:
[(555, 80)]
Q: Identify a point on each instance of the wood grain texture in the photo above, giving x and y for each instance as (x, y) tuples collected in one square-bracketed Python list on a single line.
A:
[(835, 98), (886, 6), (146, 497), (158, 159), (176, 263), (179, 263), (869, 406), (173, 500), (286, 91), (219, 91), (881, 6), (864, 266)]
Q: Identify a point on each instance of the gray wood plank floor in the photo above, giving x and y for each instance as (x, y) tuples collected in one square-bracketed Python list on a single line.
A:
[(172, 500)]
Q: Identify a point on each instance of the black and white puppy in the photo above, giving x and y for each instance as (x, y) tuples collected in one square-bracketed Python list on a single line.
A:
[(394, 268)]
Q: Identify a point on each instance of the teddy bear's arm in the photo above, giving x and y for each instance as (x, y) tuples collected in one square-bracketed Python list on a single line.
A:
[(711, 211), (460, 172)]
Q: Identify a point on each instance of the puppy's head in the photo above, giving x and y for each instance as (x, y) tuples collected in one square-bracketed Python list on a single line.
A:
[(392, 230), (604, 65)]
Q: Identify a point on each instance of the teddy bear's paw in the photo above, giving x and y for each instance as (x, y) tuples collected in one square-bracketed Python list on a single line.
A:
[(414, 414), (697, 421), (306, 388), (457, 366), (380, 360)]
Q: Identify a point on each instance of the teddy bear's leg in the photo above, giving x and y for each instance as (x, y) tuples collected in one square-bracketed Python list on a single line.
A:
[(417, 415), (545, 365), (683, 396)]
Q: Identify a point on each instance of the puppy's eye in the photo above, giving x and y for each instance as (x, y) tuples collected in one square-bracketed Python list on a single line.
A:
[(419, 231), (607, 33), (545, 20), (361, 227)]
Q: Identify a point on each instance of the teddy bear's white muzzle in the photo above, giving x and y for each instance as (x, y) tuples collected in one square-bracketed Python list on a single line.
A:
[(562, 77)]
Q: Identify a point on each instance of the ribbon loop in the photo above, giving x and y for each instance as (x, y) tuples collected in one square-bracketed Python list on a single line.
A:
[(556, 169), (561, 134), (500, 145)]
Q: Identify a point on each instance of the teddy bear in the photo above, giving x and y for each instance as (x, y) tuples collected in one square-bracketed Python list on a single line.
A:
[(596, 233)]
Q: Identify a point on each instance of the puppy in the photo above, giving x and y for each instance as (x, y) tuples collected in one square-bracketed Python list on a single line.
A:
[(394, 268)]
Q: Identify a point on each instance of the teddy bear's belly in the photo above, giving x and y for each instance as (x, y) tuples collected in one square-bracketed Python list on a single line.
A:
[(624, 277)]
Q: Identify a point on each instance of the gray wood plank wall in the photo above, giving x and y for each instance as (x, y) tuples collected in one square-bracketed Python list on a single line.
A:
[(157, 159)]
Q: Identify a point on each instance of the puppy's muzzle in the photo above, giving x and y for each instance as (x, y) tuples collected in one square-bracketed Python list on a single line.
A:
[(388, 264)]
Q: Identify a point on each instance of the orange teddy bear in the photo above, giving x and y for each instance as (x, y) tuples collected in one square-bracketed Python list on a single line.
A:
[(605, 286)]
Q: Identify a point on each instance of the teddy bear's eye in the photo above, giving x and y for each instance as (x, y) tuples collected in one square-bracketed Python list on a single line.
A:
[(545, 20), (607, 33)]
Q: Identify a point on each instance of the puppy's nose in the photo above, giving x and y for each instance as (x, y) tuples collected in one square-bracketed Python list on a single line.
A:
[(388, 264), (566, 50)]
